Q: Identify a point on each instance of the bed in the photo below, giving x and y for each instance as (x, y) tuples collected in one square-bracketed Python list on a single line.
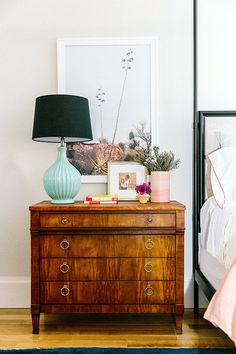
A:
[(214, 215)]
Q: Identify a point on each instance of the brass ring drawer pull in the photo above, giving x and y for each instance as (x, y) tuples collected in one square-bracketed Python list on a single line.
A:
[(65, 290), (149, 244), (64, 221), (64, 244), (149, 290), (148, 267), (64, 267)]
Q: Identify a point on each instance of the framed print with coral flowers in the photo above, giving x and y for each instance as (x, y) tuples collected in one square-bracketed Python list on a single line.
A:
[(118, 77), (123, 177)]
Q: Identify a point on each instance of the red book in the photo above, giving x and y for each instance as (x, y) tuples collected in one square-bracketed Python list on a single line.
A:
[(100, 202)]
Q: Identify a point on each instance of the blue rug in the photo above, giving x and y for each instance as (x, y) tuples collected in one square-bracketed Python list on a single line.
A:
[(122, 351)]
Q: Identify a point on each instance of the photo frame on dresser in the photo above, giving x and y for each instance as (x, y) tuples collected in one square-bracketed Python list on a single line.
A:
[(123, 177), (118, 76)]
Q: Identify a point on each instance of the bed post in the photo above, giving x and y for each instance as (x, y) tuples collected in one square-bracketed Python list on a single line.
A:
[(196, 186), (195, 157)]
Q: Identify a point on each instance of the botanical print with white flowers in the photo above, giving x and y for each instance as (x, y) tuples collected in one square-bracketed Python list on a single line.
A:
[(119, 105)]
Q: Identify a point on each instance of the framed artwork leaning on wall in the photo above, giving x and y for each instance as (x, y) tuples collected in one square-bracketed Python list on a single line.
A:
[(118, 77)]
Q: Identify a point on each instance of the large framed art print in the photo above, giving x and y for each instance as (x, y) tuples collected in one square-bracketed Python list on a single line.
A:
[(118, 77)]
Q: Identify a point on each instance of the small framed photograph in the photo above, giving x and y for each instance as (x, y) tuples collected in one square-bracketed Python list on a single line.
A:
[(123, 178)]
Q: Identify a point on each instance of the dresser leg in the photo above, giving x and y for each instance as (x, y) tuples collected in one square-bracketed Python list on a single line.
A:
[(178, 323), (35, 323)]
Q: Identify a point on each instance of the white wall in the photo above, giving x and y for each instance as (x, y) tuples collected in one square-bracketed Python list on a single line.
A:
[(28, 34), (217, 54)]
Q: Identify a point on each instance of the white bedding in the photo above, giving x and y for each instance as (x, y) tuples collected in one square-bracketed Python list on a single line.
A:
[(213, 270), (218, 231)]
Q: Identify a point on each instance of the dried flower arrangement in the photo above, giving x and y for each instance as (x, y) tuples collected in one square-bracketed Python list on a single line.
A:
[(158, 161)]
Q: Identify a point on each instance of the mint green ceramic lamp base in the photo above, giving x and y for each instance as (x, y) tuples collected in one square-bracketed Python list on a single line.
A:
[(62, 180), (62, 201)]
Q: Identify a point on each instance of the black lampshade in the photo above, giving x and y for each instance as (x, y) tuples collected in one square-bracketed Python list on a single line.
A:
[(61, 116)]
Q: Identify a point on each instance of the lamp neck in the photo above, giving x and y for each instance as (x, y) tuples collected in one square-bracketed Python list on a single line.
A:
[(62, 142)]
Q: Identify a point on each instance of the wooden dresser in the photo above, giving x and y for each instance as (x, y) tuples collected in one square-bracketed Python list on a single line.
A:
[(119, 258)]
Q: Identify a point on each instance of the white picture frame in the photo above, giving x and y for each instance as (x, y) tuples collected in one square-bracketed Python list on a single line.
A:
[(87, 65), (123, 177)]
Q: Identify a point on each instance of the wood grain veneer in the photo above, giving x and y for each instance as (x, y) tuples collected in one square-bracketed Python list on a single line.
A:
[(108, 292), (107, 246), (107, 258), (107, 220), (107, 269)]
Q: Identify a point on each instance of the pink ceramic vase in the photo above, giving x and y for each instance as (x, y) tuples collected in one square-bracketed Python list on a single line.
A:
[(160, 186)]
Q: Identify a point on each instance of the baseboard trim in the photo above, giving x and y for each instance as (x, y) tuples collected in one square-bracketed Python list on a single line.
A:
[(15, 292), (189, 295)]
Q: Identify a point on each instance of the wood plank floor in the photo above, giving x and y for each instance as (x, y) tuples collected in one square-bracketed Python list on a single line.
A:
[(80, 330)]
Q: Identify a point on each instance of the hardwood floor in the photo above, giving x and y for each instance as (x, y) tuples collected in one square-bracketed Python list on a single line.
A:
[(74, 330)]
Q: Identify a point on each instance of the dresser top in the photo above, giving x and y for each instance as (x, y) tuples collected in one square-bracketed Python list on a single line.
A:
[(80, 206)]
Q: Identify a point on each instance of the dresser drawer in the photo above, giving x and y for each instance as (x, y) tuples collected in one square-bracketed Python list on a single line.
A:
[(108, 292), (107, 269), (107, 246), (105, 220)]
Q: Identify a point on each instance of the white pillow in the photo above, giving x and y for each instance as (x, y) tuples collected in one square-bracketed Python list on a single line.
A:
[(223, 175), (226, 139)]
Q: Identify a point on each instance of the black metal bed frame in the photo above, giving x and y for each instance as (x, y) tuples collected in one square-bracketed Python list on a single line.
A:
[(199, 197)]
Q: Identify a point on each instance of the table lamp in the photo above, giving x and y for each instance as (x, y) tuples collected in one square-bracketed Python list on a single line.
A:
[(61, 119)]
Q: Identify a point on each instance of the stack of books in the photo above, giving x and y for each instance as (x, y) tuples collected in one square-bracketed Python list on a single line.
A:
[(101, 199)]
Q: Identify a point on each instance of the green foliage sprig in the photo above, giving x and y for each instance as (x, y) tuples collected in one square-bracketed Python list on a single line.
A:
[(159, 161)]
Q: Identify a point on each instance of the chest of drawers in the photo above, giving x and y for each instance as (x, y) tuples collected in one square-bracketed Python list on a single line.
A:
[(124, 258)]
